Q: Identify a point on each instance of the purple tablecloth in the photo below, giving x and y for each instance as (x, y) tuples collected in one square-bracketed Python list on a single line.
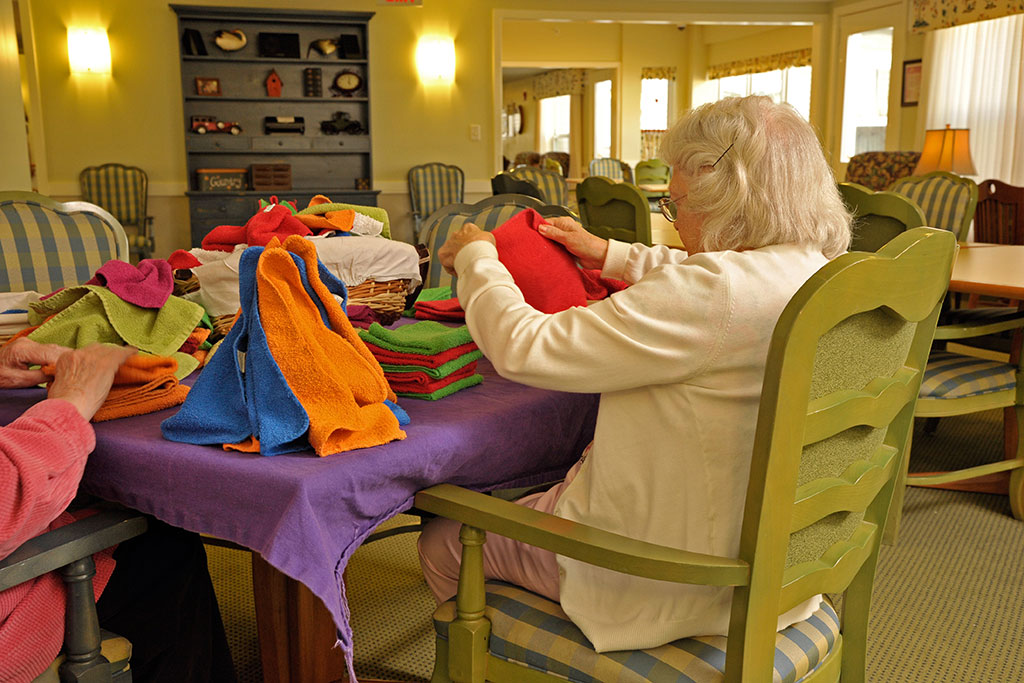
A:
[(307, 515)]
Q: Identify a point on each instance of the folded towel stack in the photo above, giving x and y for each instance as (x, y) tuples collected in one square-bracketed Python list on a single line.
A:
[(425, 360)]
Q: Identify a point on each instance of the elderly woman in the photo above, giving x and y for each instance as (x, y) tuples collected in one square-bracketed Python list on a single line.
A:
[(678, 359)]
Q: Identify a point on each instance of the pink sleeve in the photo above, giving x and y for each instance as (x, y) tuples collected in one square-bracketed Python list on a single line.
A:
[(42, 456)]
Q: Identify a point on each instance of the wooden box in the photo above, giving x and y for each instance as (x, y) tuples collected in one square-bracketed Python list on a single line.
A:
[(271, 176), (221, 179)]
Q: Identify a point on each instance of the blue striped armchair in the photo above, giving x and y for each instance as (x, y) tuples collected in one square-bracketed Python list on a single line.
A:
[(432, 186)]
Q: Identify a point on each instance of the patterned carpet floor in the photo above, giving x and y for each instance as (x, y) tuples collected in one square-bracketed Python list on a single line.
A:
[(947, 601)]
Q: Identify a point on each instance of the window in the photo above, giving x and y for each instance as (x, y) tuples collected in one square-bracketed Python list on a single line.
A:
[(792, 85), (866, 92), (603, 119), (654, 104), (554, 124)]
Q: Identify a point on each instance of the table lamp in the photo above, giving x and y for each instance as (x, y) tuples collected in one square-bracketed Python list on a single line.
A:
[(946, 149)]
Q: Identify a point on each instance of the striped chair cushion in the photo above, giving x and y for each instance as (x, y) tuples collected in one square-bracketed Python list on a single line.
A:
[(42, 249), (532, 631), (607, 168), (552, 186), (437, 234), (953, 375), (433, 186), (942, 200)]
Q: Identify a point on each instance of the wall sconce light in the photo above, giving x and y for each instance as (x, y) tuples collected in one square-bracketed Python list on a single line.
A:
[(946, 149), (435, 59), (89, 51)]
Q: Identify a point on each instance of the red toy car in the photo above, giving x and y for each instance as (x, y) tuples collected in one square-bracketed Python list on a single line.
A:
[(209, 124)]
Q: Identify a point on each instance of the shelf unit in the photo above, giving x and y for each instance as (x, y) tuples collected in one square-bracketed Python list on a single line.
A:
[(321, 163)]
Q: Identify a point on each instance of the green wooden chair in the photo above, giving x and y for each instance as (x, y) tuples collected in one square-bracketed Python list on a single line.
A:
[(46, 245), (124, 192), (432, 186), (836, 411), (652, 172), (946, 199), (878, 216), (614, 210), (487, 214), (553, 188), (607, 168)]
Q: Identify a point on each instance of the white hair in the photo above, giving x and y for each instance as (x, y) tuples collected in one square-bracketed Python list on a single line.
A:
[(772, 186)]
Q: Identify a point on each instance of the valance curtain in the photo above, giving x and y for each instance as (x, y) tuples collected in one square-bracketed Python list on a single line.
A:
[(650, 144), (761, 64), (668, 72), (558, 82), (929, 15), (973, 79)]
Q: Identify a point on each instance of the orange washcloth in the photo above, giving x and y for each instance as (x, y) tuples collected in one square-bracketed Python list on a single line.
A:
[(330, 371), (144, 384), (331, 220)]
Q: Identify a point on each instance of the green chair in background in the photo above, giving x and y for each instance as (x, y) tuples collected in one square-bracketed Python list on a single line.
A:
[(552, 186), (561, 157), (946, 199), (487, 214), (614, 210), (653, 172), (432, 186), (836, 411), (124, 192), (47, 245), (878, 216)]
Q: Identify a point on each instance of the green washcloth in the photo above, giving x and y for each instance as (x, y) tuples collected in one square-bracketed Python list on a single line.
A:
[(427, 337), (90, 313), (429, 294), (441, 370), (446, 390)]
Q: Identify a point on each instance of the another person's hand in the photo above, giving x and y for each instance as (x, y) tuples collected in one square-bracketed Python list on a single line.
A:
[(83, 377), (457, 240), (17, 357), (590, 249)]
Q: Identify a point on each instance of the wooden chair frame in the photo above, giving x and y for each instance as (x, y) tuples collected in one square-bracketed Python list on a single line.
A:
[(875, 214), (614, 210)]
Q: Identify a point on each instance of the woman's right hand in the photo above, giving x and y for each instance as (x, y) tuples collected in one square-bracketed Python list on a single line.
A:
[(83, 377), (590, 249)]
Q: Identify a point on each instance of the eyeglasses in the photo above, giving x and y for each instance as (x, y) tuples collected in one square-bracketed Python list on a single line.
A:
[(668, 206)]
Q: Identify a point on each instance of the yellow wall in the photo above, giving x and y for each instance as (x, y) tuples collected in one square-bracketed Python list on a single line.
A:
[(733, 43), (14, 174)]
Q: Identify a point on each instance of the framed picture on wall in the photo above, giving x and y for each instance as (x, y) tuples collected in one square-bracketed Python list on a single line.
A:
[(208, 86), (911, 82)]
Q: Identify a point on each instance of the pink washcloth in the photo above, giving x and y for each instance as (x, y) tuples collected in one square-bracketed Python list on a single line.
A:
[(148, 285)]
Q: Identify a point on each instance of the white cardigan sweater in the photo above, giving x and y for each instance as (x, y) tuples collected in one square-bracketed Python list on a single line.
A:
[(678, 359)]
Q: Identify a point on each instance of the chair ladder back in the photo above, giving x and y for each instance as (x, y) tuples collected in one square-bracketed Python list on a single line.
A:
[(831, 436), (999, 215)]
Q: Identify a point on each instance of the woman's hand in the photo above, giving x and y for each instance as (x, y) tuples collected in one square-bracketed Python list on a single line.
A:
[(83, 377), (457, 240), (17, 357), (590, 249)]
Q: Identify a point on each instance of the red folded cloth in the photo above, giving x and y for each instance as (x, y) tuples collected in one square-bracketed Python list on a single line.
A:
[(147, 285), (422, 383), (183, 260), (444, 309), (423, 360), (361, 316), (273, 221), (598, 287)]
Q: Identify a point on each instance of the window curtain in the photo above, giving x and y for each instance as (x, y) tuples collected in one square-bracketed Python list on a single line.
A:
[(558, 82), (650, 143), (757, 65), (668, 72), (929, 15), (973, 79)]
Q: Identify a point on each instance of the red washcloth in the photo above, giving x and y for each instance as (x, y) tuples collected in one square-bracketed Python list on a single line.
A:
[(445, 309), (422, 383), (598, 287), (543, 269), (183, 260), (148, 285), (273, 221), (426, 361)]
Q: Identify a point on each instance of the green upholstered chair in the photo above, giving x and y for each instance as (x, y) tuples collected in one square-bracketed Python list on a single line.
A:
[(561, 157), (614, 210), (506, 183), (46, 245), (878, 216), (836, 410), (946, 199), (652, 172), (432, 186), (124, 192), (552, 186), (89, 654), (487, 214), (879, 170), (606, 168)]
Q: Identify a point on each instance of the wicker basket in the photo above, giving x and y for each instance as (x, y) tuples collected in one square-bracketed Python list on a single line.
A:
[(185, 282)]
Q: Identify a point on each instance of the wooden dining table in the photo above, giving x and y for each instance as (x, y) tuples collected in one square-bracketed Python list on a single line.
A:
[(990, 270)]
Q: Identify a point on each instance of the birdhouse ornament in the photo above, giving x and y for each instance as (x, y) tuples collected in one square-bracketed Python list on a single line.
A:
[(273, 84)]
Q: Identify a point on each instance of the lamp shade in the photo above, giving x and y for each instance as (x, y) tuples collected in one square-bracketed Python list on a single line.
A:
[(946, 149)]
